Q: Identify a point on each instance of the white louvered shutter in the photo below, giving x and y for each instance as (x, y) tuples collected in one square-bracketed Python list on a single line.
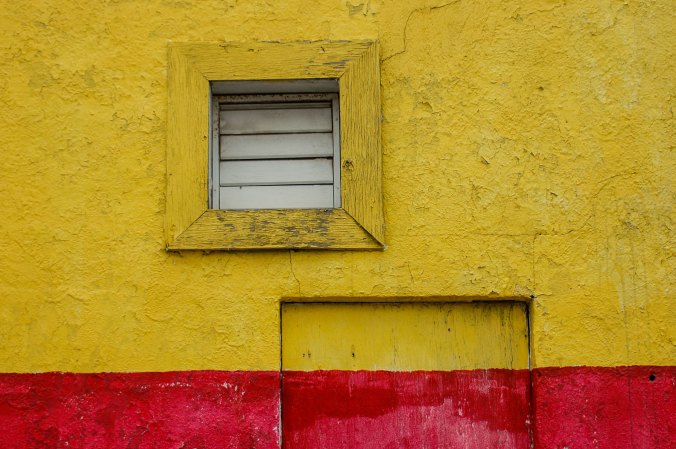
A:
[(276, 152)]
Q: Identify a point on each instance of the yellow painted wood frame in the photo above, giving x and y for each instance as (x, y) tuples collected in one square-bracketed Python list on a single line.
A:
[(359, 224)]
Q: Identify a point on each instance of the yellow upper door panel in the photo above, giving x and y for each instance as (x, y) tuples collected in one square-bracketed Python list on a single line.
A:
[(404, 336)]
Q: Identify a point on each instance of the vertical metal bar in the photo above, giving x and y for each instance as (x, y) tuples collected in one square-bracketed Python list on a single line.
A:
[(336, 150), (214, 155)]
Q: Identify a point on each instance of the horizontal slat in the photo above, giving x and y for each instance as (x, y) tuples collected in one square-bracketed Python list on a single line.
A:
[(270, 146), (249, 102), (270, 121), (277, 197), (283, 171), (274, 86)]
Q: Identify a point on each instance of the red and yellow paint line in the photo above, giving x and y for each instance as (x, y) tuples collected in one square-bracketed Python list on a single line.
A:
[(357, 376), (405, 376)]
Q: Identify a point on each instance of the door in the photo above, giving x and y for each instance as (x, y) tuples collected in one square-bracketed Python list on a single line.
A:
[(405, 375)]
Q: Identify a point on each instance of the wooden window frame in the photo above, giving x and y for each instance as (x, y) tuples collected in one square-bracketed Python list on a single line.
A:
[(357, 225)]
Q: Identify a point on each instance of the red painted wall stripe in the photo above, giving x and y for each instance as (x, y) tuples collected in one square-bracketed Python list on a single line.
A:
[(197, 409), (605, 408), (574, 408), (405, 410)]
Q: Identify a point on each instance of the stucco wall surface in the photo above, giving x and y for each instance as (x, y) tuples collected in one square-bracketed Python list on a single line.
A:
[(527, 151)]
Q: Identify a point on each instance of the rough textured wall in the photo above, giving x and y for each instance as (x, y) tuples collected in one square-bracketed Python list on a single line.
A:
[(196, 410), (527, 150)]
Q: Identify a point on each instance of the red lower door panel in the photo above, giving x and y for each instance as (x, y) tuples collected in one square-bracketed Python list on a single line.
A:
[(475, 409)]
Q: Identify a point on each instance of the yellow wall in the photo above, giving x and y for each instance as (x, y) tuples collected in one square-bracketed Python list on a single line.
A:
[(528, 149)]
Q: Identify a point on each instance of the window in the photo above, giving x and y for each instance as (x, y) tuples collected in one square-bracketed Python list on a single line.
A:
[(201, 72), (275, 151)]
